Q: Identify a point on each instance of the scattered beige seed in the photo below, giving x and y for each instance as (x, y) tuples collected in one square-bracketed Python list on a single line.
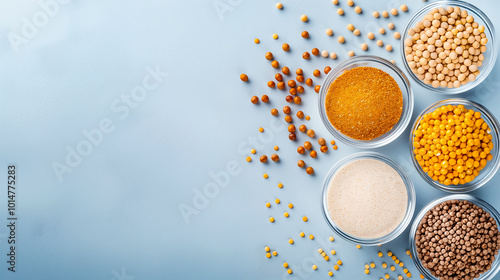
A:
[(394, 12), (381, 30), (390, 25), (340, 11), (380, 43), (371, 36), (350, 3), (393, 62), (303, 18), (324, 53), (404, 8), (279, 6), (333, 55), (356, 32), (397, 35), (388, 48), (341, 39), (376, 14), (385, 14), (364, 46), (350, 27), (350, 53), (358, 9), (335, 2), (329, 32)]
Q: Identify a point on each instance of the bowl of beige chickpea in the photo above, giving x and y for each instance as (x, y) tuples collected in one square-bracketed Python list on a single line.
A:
[(449, 46)]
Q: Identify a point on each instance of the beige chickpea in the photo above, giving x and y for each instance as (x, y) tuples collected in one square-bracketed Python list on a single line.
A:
[(370, 36)]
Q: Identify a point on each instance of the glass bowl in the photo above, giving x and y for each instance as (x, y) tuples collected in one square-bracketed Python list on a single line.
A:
[(495, 267), (490, 54), (410, 209), (389, 68), (491, 167)]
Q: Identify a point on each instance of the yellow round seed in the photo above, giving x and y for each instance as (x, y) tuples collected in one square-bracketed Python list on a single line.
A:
[(358, 9), (311, 236), (279, 6), (329, 32), (320, 250), (249, 159), (330, 273), (350, 27), (408, 275), (280, 185), (367, 266), (380, 43), (333, 252), (397, 35), (367, 271), (421, 276), (276, 148), (404, 8), (261, 129), (271, 220), (376, 14), (387, 276), (285, 265), (267, 249), (268, 205), (372, 265), (388, 48), (385, 14), (289, 271), (389, 254), (392, 268), (358, 246), (394, 12), (323, 254), (277, 200), (408, 252), (336, 267), (384, 265), (265, 176), (350, 53), (253, 151), (302, 234), (275, 36), (303, 18), (364, 46), (275, 253), (333, 55), (370, 36), (356, 32), (314, 267), (339, 262), (341, 39), (381, 30), (256, 41), (391, 25), (268, 255), (335, 2), (340, 11), (290, 241), (350, 3), (290, 205), (401, 264), (331, 238), (286, 214), (327, 258), (304, 219), (380, 254), (405, 270)]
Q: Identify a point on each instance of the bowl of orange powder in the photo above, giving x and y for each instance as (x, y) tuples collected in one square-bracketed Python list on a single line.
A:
[(366, 102)]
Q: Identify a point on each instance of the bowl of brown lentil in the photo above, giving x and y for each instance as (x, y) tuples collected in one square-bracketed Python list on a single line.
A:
[(454, 145), (456, 237), (366, 102), (449, 46)]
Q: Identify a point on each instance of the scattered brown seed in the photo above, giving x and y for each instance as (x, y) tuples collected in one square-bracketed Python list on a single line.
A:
[(263, 158), (310, 170), (244, 77), (287, 110), (271, 84), (285, 70), (291, 128), (288, 119), (301, 163), (292, 136), (317, 88), (301, 150), (274, 112), (311, 133), (264, 98), (313, 154), (254, 99), (300, 114), (324, 149), (309, 82), (293, 91), (269, 55), (278, 77), (275, 64), (302, 128), (299, 71), (306, 55), (305, 34), (321, 141), (315, 51), (297, 100), (275, 157), (327, 69), (291, 83), (307, 145), (289, 98), (300, 89), (316, 73), (285, 47), (281, 85)]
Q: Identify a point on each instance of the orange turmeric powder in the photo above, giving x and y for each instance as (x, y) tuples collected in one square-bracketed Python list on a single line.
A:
[(364, 103)]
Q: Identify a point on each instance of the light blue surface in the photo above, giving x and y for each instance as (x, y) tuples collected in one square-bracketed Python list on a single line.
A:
[(116, 215)]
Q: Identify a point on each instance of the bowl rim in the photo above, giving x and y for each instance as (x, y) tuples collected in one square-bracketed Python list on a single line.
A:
[(492, 40), (489, 274), (411, 203), (398, 128), (495, 126)]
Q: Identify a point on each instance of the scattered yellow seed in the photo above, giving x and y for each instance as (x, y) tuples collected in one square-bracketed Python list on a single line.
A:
[(333, 55), (276, 148), (376, 14), (336, 267), (408, 252), (253, 151), (277, 200), (261, 129), (290, 241), (404, 8), (380, 43), (320, 250), (256, 41), (364, 46), (356, 32), (350, 27), (267, 249), (327, 258), (421, 276), (367, 266), (271, 220), (372, 265), (265, 176), (311, 236), (394, 257), (333, 252), (380, 254), (405, 270), (400, 277), (394, 12), (289, 271), (280, 185), (290, 205), (285, 265), (350, 3), (323, 254), (371, 36), (275, 36), (350, 54), (279, 6), (275, 253), (385, 14), (401, 264), (396, 261), (388, 48), (389, 254), (392, 268), (249, 159), (303, 18), (314, 267), (308, 118), (391, 25), (340, 11), (302, 234), (384, 265), (268, 205), (335, 2), (339, 262), (358, 9), (304, 219), (286, 214), (268, 255), (392, 61), (331, 238), (358, 246), (408, 275), (381, 30), (341, 39), (330, 273), (387, 276), (367, 271)]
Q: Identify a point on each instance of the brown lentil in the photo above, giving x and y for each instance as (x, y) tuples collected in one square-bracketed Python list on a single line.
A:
[(302, 128), (301, 150), (301, 163), (263, 158), (457, 240), (271, 84), (289, 98), (305, 34), (327, 69), (306, 55), (244, 77), (285, 70), (264, 98), (254, 99), (275, 157), (288, 119), (274, 112), (371, 103), (292, 136), (285, 47), (315, 51), (269, 55), (316, 73), (287, 110), (300, 114), (291, 128)]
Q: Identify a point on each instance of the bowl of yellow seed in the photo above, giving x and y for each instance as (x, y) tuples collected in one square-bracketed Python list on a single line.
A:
[(455, 145)]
